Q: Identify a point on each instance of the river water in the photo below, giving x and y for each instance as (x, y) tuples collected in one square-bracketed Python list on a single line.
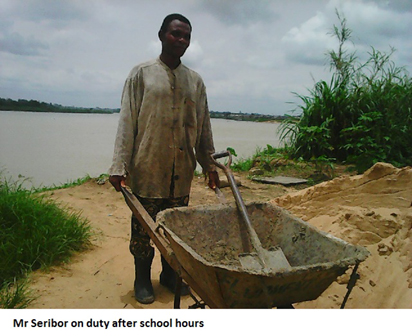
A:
[(55, 148)]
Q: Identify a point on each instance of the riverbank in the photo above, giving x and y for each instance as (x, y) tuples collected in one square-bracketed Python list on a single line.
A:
[(373, 210)]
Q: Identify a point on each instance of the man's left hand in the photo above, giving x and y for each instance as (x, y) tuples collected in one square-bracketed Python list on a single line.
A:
[(214, 181)]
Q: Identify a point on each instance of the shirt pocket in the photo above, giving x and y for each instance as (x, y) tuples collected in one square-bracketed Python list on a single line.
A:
[(189, 113)]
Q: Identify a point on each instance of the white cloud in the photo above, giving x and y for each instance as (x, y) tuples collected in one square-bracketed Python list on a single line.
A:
[(371, 25), (306, 44), (375, 24), (194, 54)]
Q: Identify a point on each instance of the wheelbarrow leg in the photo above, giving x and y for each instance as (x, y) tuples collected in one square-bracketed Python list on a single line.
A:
[(178, 291)]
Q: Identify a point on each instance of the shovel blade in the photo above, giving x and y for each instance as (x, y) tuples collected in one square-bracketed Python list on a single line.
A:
[(250, 262), (267, 261), (275, 260)]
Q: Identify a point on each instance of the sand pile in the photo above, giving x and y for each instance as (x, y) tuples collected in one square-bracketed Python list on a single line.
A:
[(373, 210)]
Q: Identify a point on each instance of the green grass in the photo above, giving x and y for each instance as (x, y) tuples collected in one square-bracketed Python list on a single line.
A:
[(35, 232), (273, 161), (68, 184), (15, 294)]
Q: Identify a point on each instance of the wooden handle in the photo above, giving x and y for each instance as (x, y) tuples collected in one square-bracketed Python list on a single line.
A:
[(150, 227)]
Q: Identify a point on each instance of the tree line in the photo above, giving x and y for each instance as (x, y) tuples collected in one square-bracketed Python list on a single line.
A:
[(246, 116), (7, 104)]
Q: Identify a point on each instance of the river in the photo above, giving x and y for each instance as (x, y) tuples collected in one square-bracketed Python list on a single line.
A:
[(54, 148)]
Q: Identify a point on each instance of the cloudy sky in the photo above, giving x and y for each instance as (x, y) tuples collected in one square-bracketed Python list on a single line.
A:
[(252, 55)]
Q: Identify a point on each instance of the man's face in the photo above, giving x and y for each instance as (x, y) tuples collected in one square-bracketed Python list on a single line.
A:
[(176, 39)]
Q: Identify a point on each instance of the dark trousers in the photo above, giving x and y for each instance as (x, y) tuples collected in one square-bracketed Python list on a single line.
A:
[(140, 246)]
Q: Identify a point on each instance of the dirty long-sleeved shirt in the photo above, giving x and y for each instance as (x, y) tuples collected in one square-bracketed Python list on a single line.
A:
[(164, 127)]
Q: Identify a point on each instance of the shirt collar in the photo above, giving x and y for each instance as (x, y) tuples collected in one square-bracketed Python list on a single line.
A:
[(166, 67)]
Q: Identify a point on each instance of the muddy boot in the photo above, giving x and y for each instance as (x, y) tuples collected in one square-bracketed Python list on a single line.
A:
[(168, 278), (143, 290)]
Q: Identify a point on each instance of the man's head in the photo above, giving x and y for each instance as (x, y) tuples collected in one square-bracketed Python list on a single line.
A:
[(171, 17), (175, 34)]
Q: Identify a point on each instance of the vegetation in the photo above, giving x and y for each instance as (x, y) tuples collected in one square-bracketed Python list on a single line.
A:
[(271, 161), (246, 116), (36, 106), (35, 232), (362, 116), (70, 184)]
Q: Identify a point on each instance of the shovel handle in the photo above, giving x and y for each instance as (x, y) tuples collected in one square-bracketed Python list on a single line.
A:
[(238, 199), (220, 155)]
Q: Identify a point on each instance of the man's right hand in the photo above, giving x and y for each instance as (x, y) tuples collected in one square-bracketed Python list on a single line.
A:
[(117, 181)]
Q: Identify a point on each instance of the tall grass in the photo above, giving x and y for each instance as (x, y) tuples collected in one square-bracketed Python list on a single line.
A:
[(15, 294), (35, 232), (362, 116)]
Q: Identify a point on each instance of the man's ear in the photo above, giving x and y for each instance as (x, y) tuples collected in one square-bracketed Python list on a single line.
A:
[(160, 34)]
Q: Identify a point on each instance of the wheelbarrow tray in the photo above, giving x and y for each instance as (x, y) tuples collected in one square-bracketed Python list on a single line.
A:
[(206, 242)]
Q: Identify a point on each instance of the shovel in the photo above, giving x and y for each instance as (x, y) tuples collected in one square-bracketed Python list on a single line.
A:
[(269, 261)]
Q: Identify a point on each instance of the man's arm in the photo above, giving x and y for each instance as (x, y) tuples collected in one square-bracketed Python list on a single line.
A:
[(205, 147), (127, 129)]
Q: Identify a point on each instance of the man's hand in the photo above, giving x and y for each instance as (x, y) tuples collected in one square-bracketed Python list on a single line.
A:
[(117, 181), (214, 181)]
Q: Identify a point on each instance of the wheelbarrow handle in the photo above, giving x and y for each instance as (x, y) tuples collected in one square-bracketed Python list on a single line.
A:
[(220, 155), (150, 226)]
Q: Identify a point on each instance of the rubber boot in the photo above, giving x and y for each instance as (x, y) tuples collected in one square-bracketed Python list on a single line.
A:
[(168, 278), (143, 289)]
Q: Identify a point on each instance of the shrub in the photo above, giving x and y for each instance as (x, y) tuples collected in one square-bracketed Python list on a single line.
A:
[(361, 117)]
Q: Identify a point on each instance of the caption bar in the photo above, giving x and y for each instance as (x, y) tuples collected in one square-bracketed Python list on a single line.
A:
[(107, 324)]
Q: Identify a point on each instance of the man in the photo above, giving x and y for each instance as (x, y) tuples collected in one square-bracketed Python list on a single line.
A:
[(164, 127)]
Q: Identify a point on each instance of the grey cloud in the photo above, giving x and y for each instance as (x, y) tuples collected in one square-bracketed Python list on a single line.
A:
[(385, 26), (397, 5), (15, 43), (246, 51), (55, 12), (235, 12), (308, 58)]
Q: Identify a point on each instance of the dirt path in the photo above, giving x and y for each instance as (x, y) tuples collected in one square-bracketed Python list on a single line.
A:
[(373, 210)]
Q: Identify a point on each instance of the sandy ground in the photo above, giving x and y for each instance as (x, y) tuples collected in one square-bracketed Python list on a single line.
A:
[(373, 210)]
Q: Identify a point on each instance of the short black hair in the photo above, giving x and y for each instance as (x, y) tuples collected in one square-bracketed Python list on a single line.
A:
[(170, 18)]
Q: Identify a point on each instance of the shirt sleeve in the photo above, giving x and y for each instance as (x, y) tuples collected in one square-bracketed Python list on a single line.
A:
[(127, 127), (205, 147)]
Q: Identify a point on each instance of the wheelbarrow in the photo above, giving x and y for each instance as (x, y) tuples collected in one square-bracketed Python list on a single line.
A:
[(202, 245)]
